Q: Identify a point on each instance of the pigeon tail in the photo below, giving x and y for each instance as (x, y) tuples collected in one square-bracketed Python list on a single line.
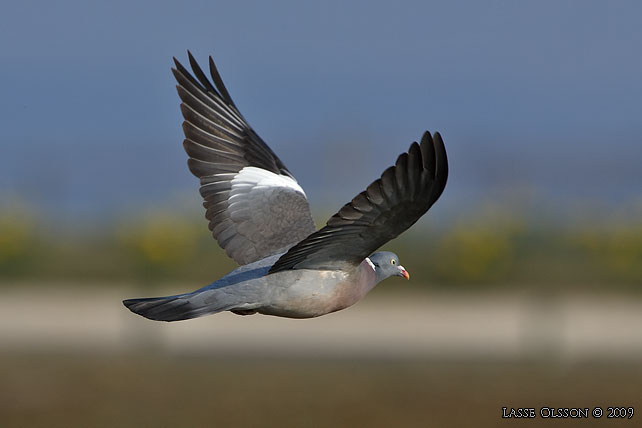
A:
[(173, 308)]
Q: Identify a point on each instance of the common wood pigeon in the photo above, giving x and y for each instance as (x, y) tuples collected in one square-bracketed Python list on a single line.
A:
[(260, 215)]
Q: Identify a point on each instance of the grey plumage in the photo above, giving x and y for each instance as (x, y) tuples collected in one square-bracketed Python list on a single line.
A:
[(216, 297), (248, 220), (261, 217)]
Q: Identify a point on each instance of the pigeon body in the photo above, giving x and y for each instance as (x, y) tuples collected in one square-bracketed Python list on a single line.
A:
[(260, 215), (303, 293)]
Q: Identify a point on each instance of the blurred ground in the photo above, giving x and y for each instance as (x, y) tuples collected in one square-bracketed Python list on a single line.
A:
[(386, 324), (153, 390), (395, 359)]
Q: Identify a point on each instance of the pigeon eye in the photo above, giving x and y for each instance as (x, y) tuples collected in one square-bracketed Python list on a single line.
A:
[(393, 262)]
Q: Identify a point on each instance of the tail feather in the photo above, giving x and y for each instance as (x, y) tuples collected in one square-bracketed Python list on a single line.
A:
[(172, 308)]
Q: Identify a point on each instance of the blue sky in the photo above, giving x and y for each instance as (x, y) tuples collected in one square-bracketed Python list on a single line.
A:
[(543, 97)]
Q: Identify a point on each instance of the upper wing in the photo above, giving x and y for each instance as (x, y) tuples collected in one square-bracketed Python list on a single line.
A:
[(254, 205), (389, 206)]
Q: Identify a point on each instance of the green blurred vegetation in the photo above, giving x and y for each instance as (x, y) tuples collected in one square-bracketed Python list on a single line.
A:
[(492, 249)]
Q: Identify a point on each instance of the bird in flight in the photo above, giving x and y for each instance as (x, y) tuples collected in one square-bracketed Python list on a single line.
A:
[(260, 216)]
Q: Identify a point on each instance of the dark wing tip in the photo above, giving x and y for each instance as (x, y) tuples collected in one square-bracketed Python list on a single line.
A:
[(389, 206), (442, 158), (427, 147), (198, 72), (190, 56), (440, 168), (218, 81), (218, 87)]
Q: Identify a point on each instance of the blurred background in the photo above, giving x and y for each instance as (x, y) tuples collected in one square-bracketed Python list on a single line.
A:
[(526, 274)]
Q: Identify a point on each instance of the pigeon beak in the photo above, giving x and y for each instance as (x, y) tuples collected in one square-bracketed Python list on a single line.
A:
[(403, 272)]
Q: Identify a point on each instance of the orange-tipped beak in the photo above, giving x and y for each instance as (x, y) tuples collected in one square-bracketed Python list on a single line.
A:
[(403, 272)]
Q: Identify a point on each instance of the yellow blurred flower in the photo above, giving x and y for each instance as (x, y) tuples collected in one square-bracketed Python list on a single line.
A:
[(16, 235), (475, 253), (161, 239), (624, 251)]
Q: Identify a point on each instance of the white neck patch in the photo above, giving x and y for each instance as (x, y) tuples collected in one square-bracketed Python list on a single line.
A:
[(370, 263)]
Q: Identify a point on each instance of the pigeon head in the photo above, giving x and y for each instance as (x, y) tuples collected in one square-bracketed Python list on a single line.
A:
[(386, 264)]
